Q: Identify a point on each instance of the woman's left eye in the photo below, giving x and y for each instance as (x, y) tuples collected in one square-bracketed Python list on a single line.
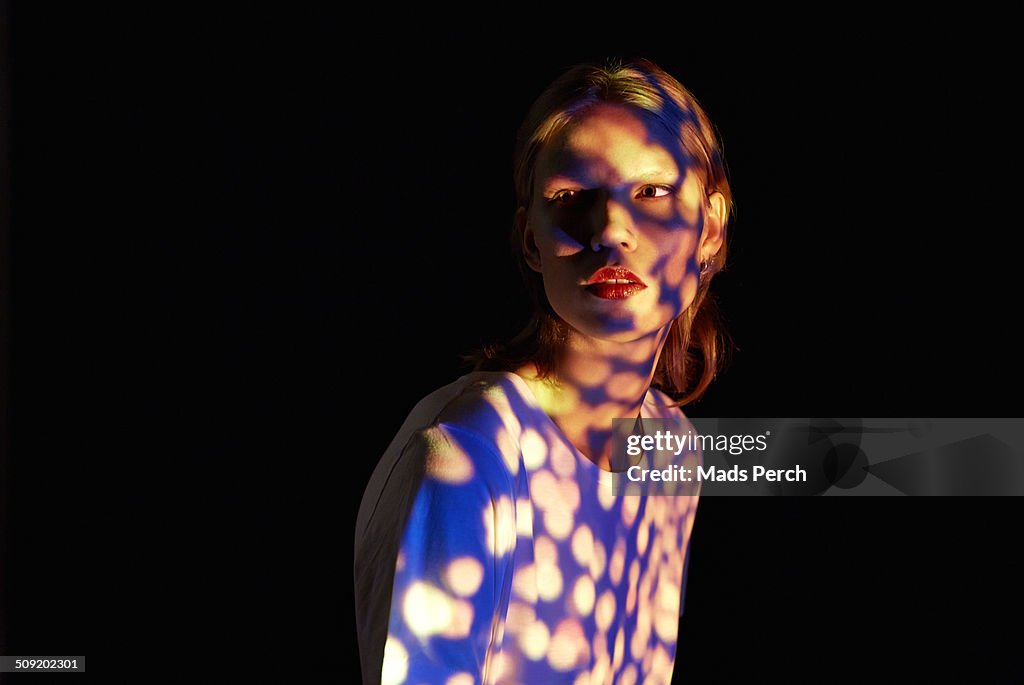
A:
[(651, 192)]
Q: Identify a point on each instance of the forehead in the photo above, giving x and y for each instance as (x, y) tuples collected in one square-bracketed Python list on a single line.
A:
[(612, 143)]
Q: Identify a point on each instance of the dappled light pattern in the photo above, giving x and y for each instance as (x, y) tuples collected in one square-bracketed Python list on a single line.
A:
[(528, 569)]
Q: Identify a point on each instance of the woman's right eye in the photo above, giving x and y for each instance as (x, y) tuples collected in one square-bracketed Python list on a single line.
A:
[(563, 196)]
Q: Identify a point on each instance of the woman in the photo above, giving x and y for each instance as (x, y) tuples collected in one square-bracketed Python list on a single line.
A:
[(490, 545)]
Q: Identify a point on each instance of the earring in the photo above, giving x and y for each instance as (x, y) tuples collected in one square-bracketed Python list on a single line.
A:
[(705, 265)]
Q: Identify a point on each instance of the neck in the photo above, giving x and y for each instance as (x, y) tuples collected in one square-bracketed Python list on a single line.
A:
[(593, 382)]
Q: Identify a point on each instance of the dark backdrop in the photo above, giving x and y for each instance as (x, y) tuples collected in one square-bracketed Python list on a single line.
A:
[(246, 243)]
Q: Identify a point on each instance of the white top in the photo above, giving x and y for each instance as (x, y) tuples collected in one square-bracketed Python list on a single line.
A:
[(488, 549)]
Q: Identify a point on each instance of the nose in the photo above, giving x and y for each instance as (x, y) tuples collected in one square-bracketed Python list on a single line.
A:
[(616, 230)]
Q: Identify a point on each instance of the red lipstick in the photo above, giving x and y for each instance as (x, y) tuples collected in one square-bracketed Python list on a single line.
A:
[(614, 283)]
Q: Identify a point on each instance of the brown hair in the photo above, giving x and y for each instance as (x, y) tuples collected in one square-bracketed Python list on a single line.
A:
[(697, 340)]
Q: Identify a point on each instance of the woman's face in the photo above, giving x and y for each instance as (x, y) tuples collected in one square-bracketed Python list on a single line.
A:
[(619, 224)]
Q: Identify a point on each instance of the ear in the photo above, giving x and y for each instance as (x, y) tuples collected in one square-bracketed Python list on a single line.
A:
[(714, 227), (531, 254)]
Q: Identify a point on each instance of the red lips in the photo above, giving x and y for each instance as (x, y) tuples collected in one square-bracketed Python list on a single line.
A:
[(614, 283)]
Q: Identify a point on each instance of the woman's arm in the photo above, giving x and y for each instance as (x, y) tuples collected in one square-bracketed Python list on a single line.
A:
[(448, 567)]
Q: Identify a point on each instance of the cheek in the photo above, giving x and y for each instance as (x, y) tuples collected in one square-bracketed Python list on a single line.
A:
[(680, 260)]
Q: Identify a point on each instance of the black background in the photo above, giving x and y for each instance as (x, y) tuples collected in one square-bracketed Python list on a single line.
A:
[(244, 243)]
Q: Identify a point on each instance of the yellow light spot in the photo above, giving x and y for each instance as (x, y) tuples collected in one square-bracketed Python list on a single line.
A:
[(524, 517), (563, 462), (615, 567), (605, 497), (661, 663), (462, 620), (623, 385), (666, 625), (500, 524), (427, 609), (520, 616), (604, 614), (525, 583), (558, 522), (634, 575), (445, 460), (602, 672), (597, 560), (497, 398), (569, 492), (555, 399), (629, 675), (508, 450), (620, 649), (549, 582), (601, 646), (534, 640), (642, 534), (543, 489), (583, 595), (396, 662), (568, 645), (544, 550), (582, 679), (535, 450), (460, 679), (501, 667), (642, 632), (668, 589), (583, 545), (630, 506), (464, 575)]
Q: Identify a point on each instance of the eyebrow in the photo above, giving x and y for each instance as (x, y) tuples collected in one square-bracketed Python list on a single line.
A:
[(571, 175)]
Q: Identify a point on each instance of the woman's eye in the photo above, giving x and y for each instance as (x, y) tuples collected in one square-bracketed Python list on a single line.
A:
[(651, 192), (563, 196)]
